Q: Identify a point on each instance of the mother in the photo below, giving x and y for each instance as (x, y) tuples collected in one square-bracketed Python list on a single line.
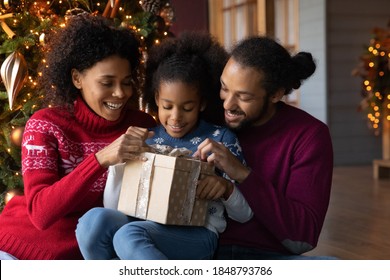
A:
[(90, 74)]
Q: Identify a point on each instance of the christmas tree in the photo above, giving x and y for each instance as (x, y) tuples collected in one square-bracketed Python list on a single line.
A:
[(374, 70), (26, 25)]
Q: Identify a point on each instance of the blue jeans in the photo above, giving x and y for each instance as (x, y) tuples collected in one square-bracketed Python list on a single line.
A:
[(6, 256), (104, 233), (233, 252)]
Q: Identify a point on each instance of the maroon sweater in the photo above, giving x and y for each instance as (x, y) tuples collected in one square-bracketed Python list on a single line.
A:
[(62, 180), (291, 158)]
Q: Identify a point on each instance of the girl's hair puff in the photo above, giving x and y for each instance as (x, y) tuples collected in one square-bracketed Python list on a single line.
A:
[(194, 58)]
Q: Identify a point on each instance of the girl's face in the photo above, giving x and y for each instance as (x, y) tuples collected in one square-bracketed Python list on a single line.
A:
[(106, 87), (179, 105)]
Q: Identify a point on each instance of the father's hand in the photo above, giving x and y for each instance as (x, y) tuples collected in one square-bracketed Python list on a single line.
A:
[(223, 159)]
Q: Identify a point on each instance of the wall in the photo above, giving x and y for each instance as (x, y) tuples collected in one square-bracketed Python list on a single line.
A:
[(189, 15), (349, 25), (312, 38)]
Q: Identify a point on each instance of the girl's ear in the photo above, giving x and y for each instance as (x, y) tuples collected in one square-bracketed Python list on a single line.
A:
[(277, 96), (76, 78)]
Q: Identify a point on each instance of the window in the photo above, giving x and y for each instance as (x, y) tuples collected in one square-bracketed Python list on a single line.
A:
[(233, 20), (286, 17)]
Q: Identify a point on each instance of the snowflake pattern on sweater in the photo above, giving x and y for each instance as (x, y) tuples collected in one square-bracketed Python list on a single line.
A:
[(61, 153), (192, 140)]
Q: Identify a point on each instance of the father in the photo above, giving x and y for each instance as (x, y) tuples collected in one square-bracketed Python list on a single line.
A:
[(289, 153)]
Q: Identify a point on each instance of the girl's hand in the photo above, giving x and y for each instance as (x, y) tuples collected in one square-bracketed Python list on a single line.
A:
[(128, 146), (214, 187), (223, 159)]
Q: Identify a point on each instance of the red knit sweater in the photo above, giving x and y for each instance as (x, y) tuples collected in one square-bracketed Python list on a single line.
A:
[(62, 180), (291, 157)]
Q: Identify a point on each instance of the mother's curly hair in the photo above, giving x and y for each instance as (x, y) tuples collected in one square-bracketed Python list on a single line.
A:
[(86, 40)]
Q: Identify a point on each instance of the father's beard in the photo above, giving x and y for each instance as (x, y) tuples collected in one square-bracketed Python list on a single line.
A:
[(246, 123)]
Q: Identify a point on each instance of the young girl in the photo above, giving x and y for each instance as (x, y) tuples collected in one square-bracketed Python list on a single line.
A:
[(181, 77)]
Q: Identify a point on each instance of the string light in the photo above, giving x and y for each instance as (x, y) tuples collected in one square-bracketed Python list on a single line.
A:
[(375, 72)]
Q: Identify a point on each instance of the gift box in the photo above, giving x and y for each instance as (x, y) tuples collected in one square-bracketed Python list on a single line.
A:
[(162, 189)]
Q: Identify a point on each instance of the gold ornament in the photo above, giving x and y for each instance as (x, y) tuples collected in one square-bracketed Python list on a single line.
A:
[(13, 73), (4, 25), (17, 135), (10, 194)]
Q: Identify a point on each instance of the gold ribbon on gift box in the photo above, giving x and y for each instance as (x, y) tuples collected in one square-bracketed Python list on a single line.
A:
[(141, 209)]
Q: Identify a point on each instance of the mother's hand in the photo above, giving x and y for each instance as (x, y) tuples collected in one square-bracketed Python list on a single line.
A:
[(128, 146)]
